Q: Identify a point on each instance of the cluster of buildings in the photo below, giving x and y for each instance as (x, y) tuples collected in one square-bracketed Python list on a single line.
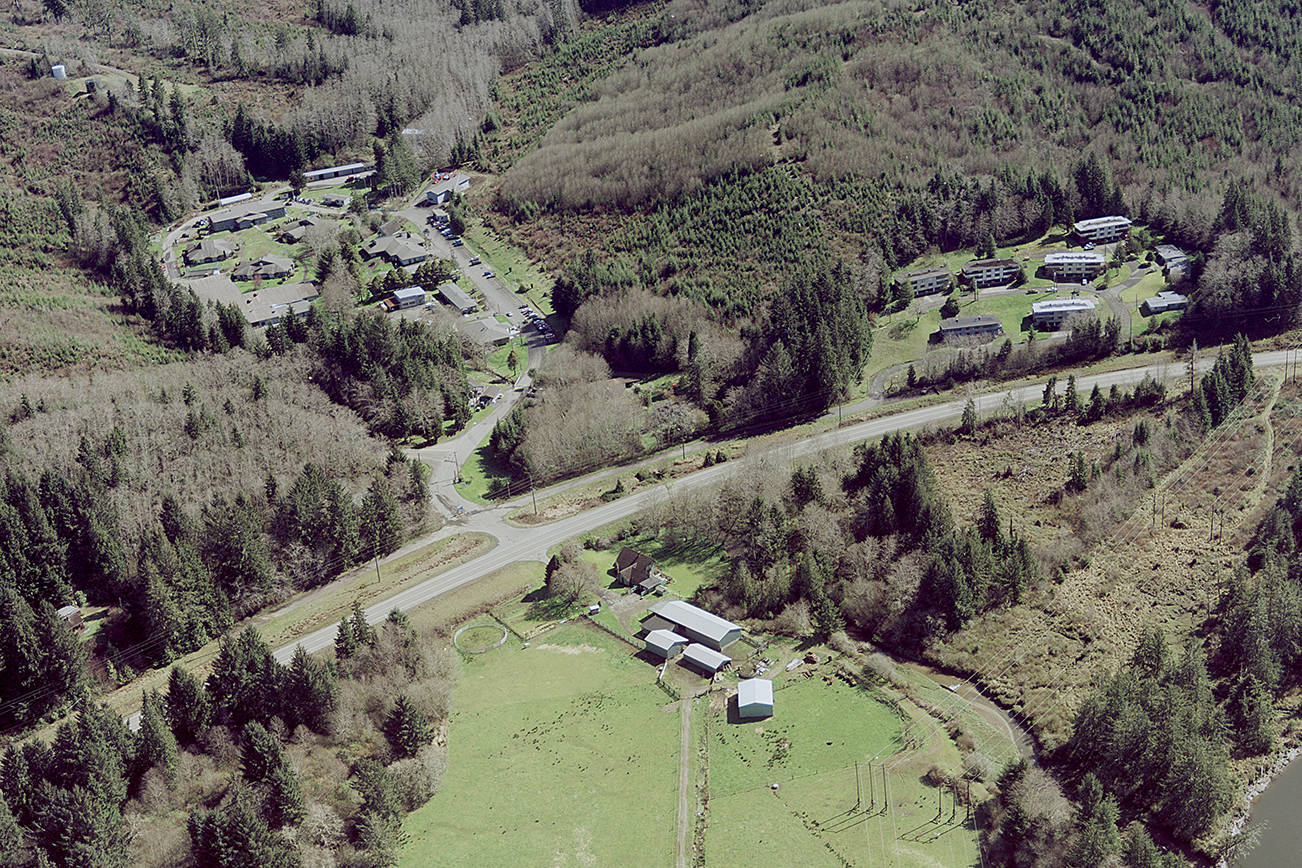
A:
[(676, 627), (244, 215)]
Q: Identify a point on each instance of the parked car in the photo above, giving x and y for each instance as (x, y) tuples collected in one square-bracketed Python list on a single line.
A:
[(488, 274), (1089, 245), (456, 242), (474, 260)]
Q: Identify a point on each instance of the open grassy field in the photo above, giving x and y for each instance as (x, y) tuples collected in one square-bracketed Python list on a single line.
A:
[(496, 360), (1151, 284), (820, 814), (560, 753)]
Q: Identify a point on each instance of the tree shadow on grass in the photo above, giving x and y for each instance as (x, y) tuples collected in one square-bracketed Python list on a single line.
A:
[(551, 608)]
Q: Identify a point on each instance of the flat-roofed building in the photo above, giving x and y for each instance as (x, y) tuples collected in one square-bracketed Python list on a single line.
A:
[(693, 622), (980, 325), (411, 296), (705, 659), (754, 698), (991, 272), (1050, 315), (926, 281), (336, 172), (1101, 230), (1162, 302), (1074, 264)]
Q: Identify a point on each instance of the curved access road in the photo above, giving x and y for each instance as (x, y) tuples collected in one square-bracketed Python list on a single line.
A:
[(519, 544), (522, 544)]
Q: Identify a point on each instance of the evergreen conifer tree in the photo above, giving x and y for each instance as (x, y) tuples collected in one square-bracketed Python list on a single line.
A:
[(407, 728)]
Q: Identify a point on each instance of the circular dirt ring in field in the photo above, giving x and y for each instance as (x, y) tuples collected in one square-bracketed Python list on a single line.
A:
[(478, 638)]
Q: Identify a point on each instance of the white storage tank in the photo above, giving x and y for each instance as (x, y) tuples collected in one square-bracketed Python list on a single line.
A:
[(59, 72)]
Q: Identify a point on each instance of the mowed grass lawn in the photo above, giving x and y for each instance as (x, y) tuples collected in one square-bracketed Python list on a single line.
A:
[(559, 754), (688, 567)]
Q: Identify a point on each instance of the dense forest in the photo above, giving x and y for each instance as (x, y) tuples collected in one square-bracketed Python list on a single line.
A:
[(260, 764)]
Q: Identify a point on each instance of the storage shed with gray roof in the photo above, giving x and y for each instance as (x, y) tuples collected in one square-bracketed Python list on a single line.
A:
[(693, 622)]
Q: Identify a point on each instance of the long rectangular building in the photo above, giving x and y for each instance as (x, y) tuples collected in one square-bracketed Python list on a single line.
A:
[(457, 297), (693, 622), (980, 325), (926, 281), (1101, 230), (1074, 264), (991, 272), (1050, 315)]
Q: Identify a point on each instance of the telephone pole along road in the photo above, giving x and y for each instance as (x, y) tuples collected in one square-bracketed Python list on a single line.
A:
[(532, 543)]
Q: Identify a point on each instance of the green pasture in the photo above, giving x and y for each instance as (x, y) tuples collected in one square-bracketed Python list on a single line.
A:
[(560, 753), (688, 567)]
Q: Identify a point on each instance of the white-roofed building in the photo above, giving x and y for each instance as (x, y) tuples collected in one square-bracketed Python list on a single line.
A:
[(1074, 264), (1162, 302), (707, 660), (336, 172), (665, 643), (754, 698), (693, 622), (1101, 230), (1050, 315)]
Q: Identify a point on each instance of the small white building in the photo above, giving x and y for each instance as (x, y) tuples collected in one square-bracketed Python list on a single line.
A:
[(665, 643), (411, 296), (59, 71), (705, 659), (754, 698)]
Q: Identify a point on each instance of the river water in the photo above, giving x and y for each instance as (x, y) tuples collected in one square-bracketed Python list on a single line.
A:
[(1275, 813)]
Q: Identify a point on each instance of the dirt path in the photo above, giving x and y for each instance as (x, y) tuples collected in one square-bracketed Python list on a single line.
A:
[(684, 780)]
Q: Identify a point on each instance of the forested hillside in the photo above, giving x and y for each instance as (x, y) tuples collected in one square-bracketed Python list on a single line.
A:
[(744, 141)]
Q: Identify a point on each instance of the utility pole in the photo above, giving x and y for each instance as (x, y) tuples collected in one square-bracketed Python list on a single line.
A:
[(377, 568), (1154, 510), (858, 787), (533, 493), (872, 788)]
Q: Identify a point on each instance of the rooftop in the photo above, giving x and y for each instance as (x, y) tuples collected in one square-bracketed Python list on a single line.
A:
[(456, 296), (1054, 305), (333, 170), (246, 208), (963, 322), (706, 658), (754, 690), (409, 292), (1073, 257), (920, 273), (998, 262), (264, 304), (663, 640), (694, 618), (1101, 222)]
